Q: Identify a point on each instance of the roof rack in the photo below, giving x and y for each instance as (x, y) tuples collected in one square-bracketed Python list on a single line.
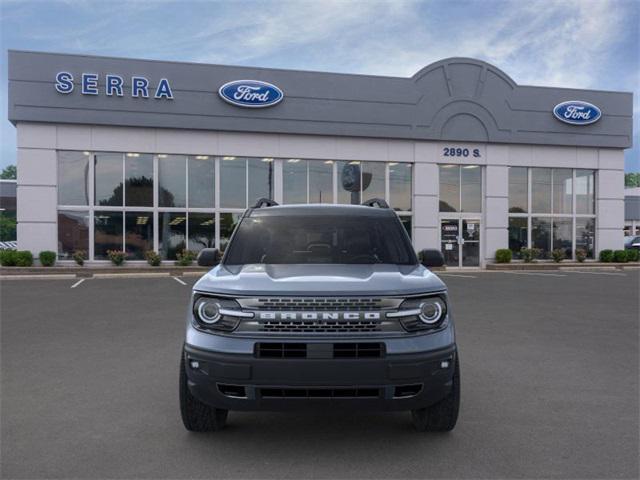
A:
[(265, 202), (376, 202)]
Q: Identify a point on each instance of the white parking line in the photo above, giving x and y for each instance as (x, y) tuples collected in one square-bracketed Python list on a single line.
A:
[(78, 283), (599, 273), (178, 280), (454, 275), (538, 274)]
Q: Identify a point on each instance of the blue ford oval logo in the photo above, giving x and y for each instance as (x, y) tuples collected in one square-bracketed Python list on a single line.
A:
[(251, 93), (577, 112)]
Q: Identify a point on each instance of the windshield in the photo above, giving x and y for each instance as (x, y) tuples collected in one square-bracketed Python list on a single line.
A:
[(320, 239)]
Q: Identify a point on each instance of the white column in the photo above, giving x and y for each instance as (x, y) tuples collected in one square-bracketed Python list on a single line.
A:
[(426, 189), (37, 188), (610, 200), (496, 210)]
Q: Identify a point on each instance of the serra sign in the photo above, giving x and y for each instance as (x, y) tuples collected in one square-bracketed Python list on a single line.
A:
[(250, 93), (113, 85)]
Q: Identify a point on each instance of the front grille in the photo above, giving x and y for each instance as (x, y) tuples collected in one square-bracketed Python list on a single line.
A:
[(319, 304), (319, 350), (335, 392), (320, 326)]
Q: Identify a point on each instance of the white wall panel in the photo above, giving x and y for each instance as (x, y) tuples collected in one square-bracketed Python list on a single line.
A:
[(36, 204), (425, 179), (189, 142), (425, 238), (123, 139), (73, 137), (37, 167), (249, 145), (36, 135), (37, 237), (425, 211)]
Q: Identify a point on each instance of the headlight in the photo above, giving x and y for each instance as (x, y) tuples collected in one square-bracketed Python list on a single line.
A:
[(213, 313), (421, 313)]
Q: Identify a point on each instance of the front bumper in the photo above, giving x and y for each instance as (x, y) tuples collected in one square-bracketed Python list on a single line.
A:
[(402, 381)]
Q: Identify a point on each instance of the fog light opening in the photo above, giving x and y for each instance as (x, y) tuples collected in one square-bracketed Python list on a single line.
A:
[(194, 364), (444, 364)]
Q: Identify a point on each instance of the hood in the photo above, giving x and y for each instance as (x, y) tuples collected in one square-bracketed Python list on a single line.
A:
[(314, 279)]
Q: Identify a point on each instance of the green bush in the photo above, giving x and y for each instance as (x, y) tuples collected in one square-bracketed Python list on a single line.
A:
[(117, 257), (503, 255), (153, 258), (606, 256), (620, 256), (24, 258), (47, 258), (633, 255), (558, 255), (8, 258), (530, 254), (80, 256), (185, 258), (581, 254)]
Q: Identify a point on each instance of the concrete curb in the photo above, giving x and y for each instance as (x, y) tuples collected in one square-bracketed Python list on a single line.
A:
[(100, 272), (562, 266)]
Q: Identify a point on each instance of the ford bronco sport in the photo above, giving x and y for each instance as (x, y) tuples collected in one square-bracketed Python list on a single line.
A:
[(319, 305)]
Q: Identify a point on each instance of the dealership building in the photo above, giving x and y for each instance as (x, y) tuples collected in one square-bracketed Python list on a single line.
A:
[(140, 155)]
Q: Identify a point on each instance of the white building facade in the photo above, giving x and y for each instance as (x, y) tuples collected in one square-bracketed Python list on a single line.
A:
[(471, 162)]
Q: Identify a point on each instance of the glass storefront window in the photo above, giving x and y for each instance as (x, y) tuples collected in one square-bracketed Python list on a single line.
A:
[(73, 178), (406, 223), (585, 235), (138, 237), (562, 190), (517, 235), (172, 187), (373, 180), (471, 188), (349, 182), (73, 233), (233, 182), (585, 192), (294, 181), (449, 188), (541, 190), (172, 231), (260, 179), (562, 235), (108, 179), (138, 177), (518, 190), (202, 231), (202, 177), (400, 175), (228, 222), (541, 235), (107, 233), (320, 181)]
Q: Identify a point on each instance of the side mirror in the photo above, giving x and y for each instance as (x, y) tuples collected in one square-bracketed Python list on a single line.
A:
[(431, 257), (208, 257)]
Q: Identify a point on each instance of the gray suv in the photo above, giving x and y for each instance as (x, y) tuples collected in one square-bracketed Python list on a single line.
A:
[(320, 306)]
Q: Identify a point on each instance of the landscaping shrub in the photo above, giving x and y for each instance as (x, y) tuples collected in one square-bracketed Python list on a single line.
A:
[(185, 258), (606, 255), (530, 254), (503, 255), (80, 256), (620, 256), (8, 258), (24, 258), (117, 257), (47, 258), (153, 258), (558, 255), (633, 255), (581, 254)]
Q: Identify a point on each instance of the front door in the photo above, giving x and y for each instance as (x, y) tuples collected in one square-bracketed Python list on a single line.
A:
[(460, 242)]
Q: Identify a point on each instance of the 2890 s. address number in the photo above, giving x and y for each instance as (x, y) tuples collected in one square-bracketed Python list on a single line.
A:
[(460, 152)]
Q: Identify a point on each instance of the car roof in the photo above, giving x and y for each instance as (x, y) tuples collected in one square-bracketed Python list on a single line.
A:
[(320, 209)]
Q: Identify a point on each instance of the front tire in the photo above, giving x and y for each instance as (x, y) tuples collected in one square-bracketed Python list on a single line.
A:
[(442, 416), (198, 416)]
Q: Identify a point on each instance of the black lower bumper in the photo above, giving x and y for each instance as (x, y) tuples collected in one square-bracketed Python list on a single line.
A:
[(393, 382)]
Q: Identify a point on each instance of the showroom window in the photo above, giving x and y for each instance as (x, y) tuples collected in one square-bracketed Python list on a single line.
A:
[(551, 208), (138, 201), (460, 188)]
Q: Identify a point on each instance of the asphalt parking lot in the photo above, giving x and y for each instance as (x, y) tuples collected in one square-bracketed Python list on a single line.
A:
[(549, 388)]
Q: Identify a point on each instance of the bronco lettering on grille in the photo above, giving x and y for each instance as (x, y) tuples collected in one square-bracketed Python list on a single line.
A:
[(319, 315)]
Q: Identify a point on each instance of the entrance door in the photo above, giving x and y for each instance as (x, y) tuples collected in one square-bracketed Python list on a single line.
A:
[(460, 242)]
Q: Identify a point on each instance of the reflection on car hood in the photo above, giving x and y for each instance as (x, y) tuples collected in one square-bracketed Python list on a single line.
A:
[(312, 279)]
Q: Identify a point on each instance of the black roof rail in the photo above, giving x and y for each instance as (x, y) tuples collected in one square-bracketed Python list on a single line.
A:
[(265, 202), (376, 202)]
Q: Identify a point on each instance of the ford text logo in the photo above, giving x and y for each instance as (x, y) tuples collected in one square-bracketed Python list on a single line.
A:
[(576, 112), (251, 93)]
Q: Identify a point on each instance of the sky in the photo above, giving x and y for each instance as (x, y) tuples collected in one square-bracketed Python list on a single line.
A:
[(565, 43)]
